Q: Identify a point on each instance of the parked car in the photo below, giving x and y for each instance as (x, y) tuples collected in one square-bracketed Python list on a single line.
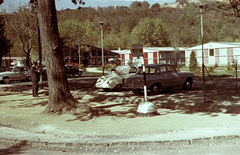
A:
[(158, 77), (70, 69), (16, 73), (113, 81), (2, 69)]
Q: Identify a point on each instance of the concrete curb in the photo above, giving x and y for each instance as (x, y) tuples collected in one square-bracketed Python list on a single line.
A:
[(88, 146)]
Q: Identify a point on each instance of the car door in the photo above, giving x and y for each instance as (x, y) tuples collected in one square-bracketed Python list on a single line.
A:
[(163, 75), (23, 73), (173, 78), (14, 73)]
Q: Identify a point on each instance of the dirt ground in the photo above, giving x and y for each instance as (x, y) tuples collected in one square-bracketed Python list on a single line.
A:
[(178, 110)]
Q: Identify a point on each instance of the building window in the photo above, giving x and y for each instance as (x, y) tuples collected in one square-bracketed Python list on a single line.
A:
[(211, 52)]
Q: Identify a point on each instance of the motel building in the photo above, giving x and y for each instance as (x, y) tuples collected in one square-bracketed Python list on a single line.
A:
[(152, 55), (220, 53)]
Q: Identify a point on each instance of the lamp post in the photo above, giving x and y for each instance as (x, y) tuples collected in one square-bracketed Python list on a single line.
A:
[(101, 25), (79, 62), (203, 67)]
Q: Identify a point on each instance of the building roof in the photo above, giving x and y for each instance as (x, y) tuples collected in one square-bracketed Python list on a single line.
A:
[(216, 45), (151, 49)]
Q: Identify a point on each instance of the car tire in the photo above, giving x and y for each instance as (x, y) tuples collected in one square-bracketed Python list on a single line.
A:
[(155, 89), (80, 73), (28, 79), (118, 88), (187, 85), (6, 80), (136, 91)]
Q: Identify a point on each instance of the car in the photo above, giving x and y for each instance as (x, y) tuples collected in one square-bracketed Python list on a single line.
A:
[(16, 73), (2, 69), (70, 69), (158, 77), (113, 81)]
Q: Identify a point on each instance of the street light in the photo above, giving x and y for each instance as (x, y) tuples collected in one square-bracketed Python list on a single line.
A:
[(101, 25), (79, 53), (203, 67)]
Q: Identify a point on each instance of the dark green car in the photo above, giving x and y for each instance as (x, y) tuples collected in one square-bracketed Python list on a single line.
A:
[(158, 77)]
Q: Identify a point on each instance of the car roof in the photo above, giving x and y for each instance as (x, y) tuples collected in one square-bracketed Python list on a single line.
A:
[(158, 65)]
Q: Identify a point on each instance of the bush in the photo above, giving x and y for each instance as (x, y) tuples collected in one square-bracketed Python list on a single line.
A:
[(211, 69), (198, 70), (229, 68), (193, 62)]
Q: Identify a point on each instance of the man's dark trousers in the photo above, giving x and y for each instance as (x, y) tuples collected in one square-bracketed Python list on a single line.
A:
[(34, 76), (35, 88)]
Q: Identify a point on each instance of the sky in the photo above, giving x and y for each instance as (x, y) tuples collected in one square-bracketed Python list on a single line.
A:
[(8, 5)]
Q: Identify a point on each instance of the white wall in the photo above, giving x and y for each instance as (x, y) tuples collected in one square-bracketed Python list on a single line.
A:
[(223, 56)]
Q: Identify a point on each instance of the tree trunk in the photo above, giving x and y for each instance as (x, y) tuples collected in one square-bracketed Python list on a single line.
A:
[(27, 59), (60, 99)]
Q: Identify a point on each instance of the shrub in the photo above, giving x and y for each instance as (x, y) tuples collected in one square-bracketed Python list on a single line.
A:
[(193, 62), (211, 69), (229, 68), (198, 70)]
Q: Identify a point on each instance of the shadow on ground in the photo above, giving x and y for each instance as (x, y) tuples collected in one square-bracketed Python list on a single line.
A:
[(15, 149), (222, 96)]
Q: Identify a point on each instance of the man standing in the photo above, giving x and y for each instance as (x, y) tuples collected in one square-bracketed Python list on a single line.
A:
[(34, 77)]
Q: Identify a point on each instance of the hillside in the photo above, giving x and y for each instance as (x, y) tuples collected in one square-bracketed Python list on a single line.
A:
[(175, 4)]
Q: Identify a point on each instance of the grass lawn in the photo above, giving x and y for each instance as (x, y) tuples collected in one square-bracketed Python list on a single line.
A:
[(219, 71)]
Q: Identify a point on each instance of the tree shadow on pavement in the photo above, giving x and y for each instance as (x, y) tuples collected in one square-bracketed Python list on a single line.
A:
[(15, 149)]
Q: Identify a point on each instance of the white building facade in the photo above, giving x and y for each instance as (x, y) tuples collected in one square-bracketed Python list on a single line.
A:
[(152, 55), (220, 53)]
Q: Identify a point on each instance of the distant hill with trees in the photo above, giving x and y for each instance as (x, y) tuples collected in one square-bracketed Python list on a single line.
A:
[(151, 25)]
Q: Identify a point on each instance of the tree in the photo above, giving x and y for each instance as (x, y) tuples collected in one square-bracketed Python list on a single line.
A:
[(60, 99), (182, 2), (155, 6), (5, 44), (145, 4), (135, 4), (151, 32), (193, 62), (22, 25)]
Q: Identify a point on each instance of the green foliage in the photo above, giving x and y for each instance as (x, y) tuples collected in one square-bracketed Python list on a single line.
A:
[(81, 66), (151, 32), (198, 70), (229, 68), (139, 23), (5, 44), (72, 31), (193, 62), (211, 69)]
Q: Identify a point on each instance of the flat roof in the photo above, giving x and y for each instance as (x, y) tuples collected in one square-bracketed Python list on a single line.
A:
[(216, 45), (151, 49)]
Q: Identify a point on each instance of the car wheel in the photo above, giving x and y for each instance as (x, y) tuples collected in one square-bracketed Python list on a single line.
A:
[(188, 84), (118, 87), (80, 73), (6, 80), (73, 74), (155, 89), (28, 79), (136, 91)]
